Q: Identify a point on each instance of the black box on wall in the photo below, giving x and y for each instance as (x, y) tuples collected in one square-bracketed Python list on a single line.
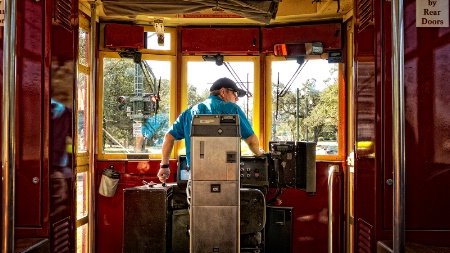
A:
[(147, 219), (279, 229)]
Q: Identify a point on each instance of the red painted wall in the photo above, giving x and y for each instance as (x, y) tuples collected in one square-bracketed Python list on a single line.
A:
[(32, 79), (330, 35), (310, 212), (109, 213), (427, 123), (427, 153), (257, 40), (220, 40)]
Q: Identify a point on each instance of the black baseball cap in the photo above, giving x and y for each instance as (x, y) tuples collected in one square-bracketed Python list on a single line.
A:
[(227, 83)]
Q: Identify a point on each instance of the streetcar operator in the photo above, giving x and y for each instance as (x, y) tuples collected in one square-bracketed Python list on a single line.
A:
[(222, 100)]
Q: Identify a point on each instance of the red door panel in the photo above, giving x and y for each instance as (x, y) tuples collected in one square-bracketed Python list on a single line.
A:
[(30, 114)]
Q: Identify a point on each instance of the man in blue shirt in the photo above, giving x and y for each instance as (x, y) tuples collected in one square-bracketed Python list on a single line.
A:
[(222, 100)]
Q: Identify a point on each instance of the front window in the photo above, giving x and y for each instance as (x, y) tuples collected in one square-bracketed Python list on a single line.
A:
[(305, 103), (202, 73), (135, 104)]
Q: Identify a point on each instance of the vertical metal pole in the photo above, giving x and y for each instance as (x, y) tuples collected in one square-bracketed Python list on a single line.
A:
[(92, 81), (8, 126), (398, 121), (306, 115), (247, 100), (331, 170), (297, 124)]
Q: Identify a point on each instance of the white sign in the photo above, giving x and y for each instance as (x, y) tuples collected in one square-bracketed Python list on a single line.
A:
[(431, 13), (2, 12), (137, 129)]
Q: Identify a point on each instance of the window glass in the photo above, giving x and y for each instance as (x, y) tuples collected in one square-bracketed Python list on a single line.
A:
[(151, 41), (202, 74), (305, 102), (82, 194), (82, 131), (81, 112), (83, 47), (199, 82), (82, 239), (135, 105)]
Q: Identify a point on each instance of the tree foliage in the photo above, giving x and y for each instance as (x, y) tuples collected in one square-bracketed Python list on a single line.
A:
[(119, 80), (306, 109), (194, 96), (298, 113)]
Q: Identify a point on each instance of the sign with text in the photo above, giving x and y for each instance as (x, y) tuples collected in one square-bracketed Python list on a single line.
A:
[(137, 129), (431, 13)]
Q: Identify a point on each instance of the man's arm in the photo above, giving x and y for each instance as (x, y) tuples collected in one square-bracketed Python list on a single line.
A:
[(167, 147), (253, 144)]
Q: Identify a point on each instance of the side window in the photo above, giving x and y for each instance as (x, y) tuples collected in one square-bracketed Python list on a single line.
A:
[(305, 103), (83, 80), (135, 104), (81, 140)]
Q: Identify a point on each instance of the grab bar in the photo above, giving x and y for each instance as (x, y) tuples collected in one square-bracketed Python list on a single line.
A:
[(8, 125), (331, 170)]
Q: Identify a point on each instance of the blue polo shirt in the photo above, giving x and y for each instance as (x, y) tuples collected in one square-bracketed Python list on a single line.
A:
[(181, 128)]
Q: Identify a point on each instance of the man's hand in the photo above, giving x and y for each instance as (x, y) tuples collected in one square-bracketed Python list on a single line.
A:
[(163, 174), (261, 152)]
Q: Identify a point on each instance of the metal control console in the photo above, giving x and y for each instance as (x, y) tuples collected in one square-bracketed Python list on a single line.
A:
[(215, 194)]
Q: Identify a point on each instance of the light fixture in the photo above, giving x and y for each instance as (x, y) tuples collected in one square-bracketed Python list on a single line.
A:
[(159, 29)]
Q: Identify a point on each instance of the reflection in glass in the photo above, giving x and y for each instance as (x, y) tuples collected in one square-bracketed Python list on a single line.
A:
[(82, 239), (82, 195), (83, 47), (81, 112)]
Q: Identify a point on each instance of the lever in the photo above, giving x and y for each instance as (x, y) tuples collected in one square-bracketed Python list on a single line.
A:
[(151, 184)]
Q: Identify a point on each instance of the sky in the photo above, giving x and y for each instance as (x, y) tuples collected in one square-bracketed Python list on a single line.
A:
[(203, 74), (318, 69)]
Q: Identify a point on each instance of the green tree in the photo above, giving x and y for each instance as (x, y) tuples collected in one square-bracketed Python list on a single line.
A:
[(119, 80), (317, 110), (194, 97), (284, 107), (323, 116)]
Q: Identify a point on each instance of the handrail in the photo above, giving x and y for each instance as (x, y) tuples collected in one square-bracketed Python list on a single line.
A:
[(91, 122), (8, 125), (331, 170), (398, 129)]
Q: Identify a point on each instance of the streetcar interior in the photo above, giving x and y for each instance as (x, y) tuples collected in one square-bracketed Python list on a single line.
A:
[(97, 85)]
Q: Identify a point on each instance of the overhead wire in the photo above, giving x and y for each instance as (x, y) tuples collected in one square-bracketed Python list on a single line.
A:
[(288, 85), (291, 81), (236, 78)]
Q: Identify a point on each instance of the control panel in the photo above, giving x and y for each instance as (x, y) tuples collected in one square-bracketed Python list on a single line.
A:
[(254, 171), (284, 157)]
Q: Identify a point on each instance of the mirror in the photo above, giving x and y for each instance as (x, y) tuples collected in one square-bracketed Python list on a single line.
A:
[(298, 49)]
